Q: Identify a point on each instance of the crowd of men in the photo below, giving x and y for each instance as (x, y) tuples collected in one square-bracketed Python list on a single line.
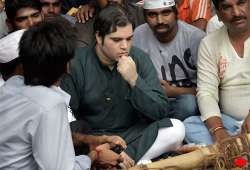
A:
[(119, 82)]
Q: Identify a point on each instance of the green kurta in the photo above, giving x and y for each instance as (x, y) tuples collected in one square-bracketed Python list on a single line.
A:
[(103, 99)]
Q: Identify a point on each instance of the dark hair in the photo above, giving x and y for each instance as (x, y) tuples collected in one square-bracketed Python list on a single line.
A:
[(45, 50), (109, 18), (216, 4), (8, 69), (12, 6)]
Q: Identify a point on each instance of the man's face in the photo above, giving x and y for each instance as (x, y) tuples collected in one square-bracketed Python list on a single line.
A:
[(116, 44), (103, 3), (27, 17), (235, 14), (51, 7), (162, 21)]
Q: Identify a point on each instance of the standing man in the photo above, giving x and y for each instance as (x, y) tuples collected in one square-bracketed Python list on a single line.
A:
[(172, 46), (115, 89), (224, 77)]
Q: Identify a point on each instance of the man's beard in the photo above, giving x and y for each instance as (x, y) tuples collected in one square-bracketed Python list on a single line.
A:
[(51, 15)]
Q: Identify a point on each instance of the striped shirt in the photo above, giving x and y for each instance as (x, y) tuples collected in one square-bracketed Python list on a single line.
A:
[(192, 10)]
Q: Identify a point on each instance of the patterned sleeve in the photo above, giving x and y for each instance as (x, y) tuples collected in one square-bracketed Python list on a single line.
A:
[(201, 9)]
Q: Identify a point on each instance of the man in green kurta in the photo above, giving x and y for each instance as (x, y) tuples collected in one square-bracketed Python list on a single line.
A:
[(115, 89)]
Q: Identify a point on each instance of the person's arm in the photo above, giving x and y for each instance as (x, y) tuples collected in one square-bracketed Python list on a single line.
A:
[(146, 94), (245, 128), (1, 5), (201, 13), (94, 141), (85, 12), (172, 91), (216, 128), (208, 82)]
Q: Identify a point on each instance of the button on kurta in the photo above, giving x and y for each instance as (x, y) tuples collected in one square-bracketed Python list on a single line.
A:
[(108, 99)]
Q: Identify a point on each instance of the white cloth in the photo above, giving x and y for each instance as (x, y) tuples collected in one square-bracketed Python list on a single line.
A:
[(213, 24), (154, 4), (168, 139), (182, 50), (230, 95), (35, 133), (9, 46), (1, 81)]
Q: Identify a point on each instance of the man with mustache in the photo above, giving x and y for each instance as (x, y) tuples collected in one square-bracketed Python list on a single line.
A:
[(172, 46), (224, 77), (114, 88)]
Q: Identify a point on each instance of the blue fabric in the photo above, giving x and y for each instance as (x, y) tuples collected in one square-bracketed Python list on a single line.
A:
[(184, 106), (197, 132)]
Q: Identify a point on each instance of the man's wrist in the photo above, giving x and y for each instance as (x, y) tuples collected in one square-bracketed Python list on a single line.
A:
[(93, 155), (132, 83), (213, 130)]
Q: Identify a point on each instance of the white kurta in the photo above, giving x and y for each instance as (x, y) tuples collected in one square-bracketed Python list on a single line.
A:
[(34, 129), (230, 95)]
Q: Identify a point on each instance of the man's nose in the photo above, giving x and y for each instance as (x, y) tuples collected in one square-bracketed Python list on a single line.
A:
[(124, 44), (159, 19), (30, 21), (51, 8), (236, 11)]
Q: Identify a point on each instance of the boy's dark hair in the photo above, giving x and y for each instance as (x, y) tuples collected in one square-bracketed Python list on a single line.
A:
[(109, 18), (12, 6), (45, 50)]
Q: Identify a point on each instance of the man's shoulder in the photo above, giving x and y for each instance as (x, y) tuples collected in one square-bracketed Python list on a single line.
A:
[(143, 36), (137, 51), (138, 54), (190, 29), (216, 37), (82, 52), (85, 32), (141, 29), (42, 97)]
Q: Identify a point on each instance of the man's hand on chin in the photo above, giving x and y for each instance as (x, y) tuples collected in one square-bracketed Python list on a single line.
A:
[(127, 68)]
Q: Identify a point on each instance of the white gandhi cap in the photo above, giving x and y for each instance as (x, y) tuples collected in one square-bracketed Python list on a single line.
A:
[(154, 4), (9, 46)]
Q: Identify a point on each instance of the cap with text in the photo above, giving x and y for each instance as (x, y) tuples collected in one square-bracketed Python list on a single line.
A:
[(154, 4)]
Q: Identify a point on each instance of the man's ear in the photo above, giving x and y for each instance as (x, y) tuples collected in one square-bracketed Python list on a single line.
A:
[(9, 25), (98, 38)]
